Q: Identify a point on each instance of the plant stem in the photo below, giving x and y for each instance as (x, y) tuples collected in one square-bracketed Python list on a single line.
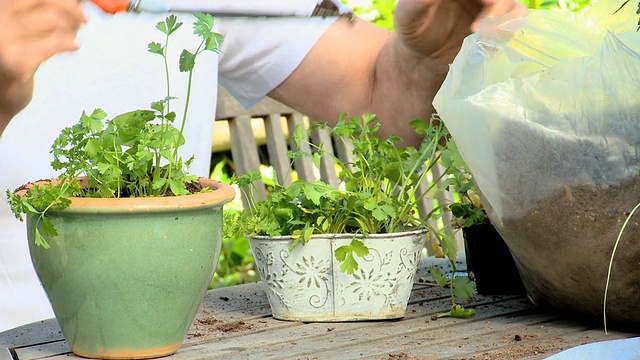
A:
[(613, 253), (186, 105), (165, 111)]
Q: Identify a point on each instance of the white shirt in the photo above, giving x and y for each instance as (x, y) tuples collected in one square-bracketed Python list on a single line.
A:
[(114, 71)]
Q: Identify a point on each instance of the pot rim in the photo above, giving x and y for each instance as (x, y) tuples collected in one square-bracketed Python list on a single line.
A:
[(222, 193), (417, 231)]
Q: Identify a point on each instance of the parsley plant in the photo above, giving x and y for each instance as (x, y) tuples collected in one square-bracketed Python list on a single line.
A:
[(134, 154)]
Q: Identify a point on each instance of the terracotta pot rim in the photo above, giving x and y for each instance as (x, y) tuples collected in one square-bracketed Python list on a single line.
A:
[(222, 193)]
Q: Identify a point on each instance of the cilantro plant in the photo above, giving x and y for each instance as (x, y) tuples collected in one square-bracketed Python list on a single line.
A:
[(134, 154), (379, 196), (467, 210)]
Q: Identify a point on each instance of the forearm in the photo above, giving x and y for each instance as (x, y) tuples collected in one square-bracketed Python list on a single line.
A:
[(403, 89), (32, 31), (4, 121), (357, 68), (14, 96)]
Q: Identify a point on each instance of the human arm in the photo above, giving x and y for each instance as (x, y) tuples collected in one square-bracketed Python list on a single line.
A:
[(31, 31), (356, 67)]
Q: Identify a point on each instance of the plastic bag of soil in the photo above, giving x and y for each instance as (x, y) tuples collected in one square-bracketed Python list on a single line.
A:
[(545, 109)]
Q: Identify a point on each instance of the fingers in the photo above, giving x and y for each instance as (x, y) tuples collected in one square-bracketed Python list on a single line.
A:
[(48, 20), (32, 32), (37, 30), (495, 9), (69, 6)]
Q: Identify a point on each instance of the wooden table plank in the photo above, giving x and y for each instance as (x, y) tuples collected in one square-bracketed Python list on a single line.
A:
[(236, 323), (41, 333), (43, 351)]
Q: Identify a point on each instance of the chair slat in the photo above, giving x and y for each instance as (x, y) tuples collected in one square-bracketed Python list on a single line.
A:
[(321, 136), (245, 150), (277, 148), (228, 107), (303, 164)]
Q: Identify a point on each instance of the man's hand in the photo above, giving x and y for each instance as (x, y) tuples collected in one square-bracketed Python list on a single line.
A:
[(435, 28), (31, 31)]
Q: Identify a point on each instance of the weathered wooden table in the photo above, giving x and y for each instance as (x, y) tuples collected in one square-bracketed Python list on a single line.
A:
[(236, 323)]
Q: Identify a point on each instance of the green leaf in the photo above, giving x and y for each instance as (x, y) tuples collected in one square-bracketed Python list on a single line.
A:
[(341, 252), (379, 214), (162, 26), (438, 277), (129, 125), (169, 25), (159, 183), (449, 246), (158, 106), (359, 248), (393, 171), (458, 311), (93, 122), (214, 42), (345, 254), (316, 158), (306, 233), (323, 223), (311, 191), (293, 155), (299, 135), (30, 208), (420, 126), (203, 27), (187, 61), (17, 205), (40, 240), (370, 203), (171, 117), (155, 48), (463, 287), (349, 265), (93, 147), (48, 229)]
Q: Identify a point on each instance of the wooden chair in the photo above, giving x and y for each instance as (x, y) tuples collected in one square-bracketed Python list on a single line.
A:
[(279, 123)]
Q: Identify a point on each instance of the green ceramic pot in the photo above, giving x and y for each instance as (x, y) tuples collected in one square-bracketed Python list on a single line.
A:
[(125, 277)]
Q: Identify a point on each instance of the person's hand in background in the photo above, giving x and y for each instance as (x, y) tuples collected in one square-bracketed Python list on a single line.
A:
[(31, 31), (357, 67), (434, 29)]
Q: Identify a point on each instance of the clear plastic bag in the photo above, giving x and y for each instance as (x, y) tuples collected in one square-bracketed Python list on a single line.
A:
[(545, 110)]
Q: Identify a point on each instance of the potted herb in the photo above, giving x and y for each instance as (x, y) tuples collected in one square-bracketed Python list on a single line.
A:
[(489, 262), (348, 253), (125, 241)]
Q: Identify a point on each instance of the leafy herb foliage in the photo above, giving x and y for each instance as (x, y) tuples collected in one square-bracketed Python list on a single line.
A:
[(468, 209), (380, 194), (134, 154)]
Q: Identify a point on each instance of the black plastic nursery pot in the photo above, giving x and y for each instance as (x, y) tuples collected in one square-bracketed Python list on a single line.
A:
[(490, 263)]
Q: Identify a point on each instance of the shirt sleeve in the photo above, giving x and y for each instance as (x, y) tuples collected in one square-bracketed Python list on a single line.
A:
[(259, 54)]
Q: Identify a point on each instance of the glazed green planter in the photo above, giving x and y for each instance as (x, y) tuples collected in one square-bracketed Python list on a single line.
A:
[(125, 277)]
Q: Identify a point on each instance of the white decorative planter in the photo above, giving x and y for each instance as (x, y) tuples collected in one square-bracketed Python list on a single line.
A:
[(307, 284)]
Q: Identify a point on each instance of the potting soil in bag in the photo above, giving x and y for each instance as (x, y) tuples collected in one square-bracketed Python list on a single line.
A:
[(545, 109)]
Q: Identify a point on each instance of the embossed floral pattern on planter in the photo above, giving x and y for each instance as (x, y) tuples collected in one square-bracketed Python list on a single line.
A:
[(306, 284)]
